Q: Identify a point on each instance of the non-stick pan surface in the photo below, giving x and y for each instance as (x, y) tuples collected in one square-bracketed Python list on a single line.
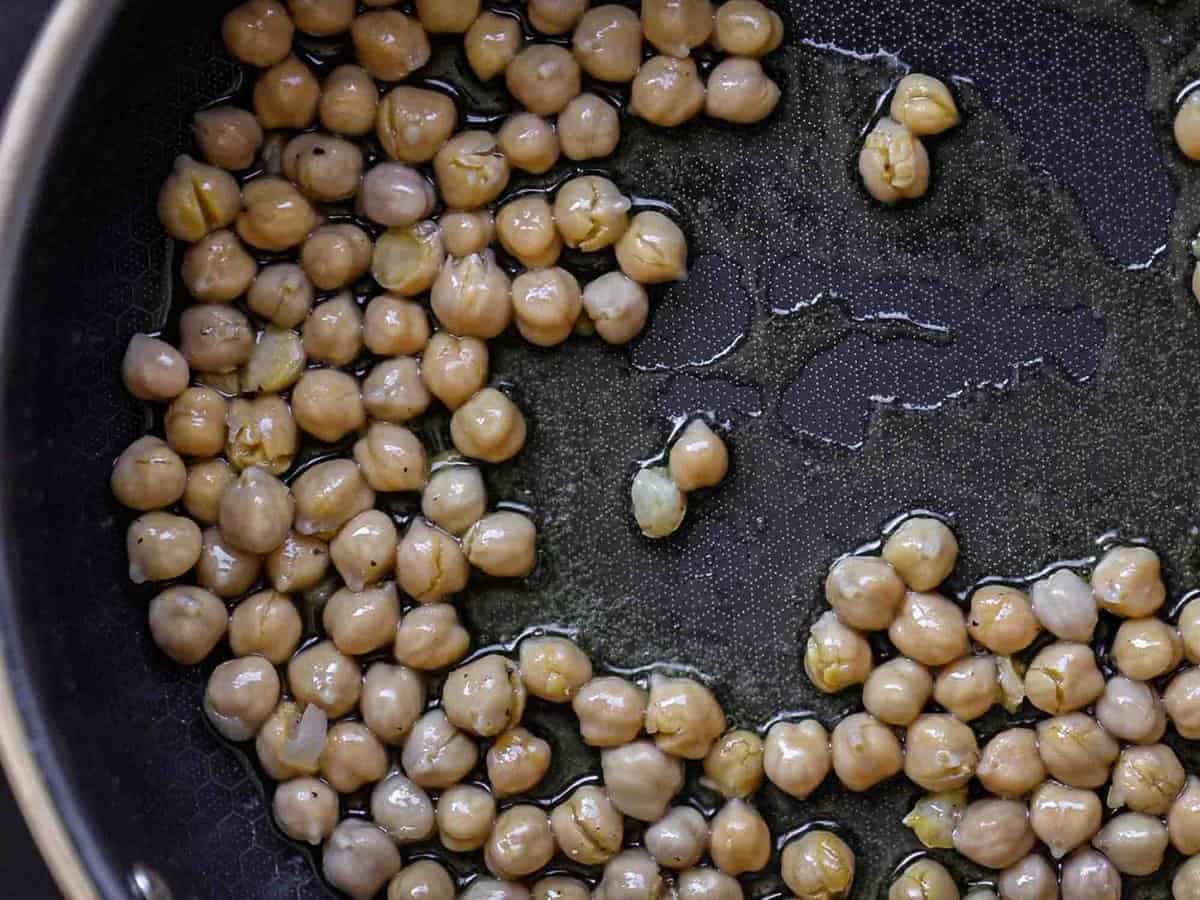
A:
[(1018, 351)]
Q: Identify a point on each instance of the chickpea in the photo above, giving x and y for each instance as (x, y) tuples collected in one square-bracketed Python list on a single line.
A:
[(262, 433), (924, 879), (334, 256), (526, 229), (455, 498), (864, 591), (195, 424), (1064, 605), (391, 458), (930, 629), (1076, 750), (589, 128), (543, 78), (587, 827), (674, 27), (330, 494), (471, 170), (617, 307), (667, 91), (941, 753), (466, 232), (653, 250), (485, 697), (493, 889), (472, 296), (1002, 619), (893, 163), (359, 858), (897, 691), (161, 547), (1144, 649), (968, 687), (610, 711), (407, 261), (256, 511), (796, 756), (1187, 126), (1063, 677), (422, 880), (608, 42), (454, 368), (935, 816), (187, 623), (298, 564), (276, 215), (631, 875), (353, 757), (322, 18), (327, 404), (740, 92), (153, 369), (677, 840), (324, 676), (1031, 878), (1189, 630), (529, 142), (835, 656), (560, 887), (923, 551), (289, 743), (735, 763), (394, 392), (223, 568), (392, 699), (393, 326), (924, 104), (517, 762), (683, 716), (465, 815), (215, 339), (546, 305), (217, 269), (1127, 582), (390, 45), (1133, 842), (555, 16), (1146, 779), (395, 195), (520, 843), (364, 552), (818, 866), (430, 563), (281, 293), (707, 882), (994, 833), (1183, 818), (489, 427), (747, 28), (641, 779), (196, 199), (491, 43), (258, 32), (1011, 765), (348, 102), (275, 364), (740, 840), (553, 668), (447, 16), (1186, 883), (240, 696), (305, 809), (361, 621), (864, 752), (430, 637), (1131, 711), (591, 213), (325, 168), (1182, 702), (413, 123), (402, 809), (698, 458), (1088, 875), (286, 95), (268, 624)]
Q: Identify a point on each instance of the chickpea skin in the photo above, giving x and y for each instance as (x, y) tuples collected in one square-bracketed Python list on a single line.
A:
[(266, 623), (491, 43), (608, 43), (1133, 842), (1063, 817), (454, 368), (430, 564), (305, 809), (674, 27), (818, 866), (1146, 780), (402, 809), (187, 623), (1127, 582), (349, 100), (1144, 649), (835, 656), (1076, 750), (893, 163), (455, 498), (679, 839), (489, 427), (1183, 818), (517, 762), (865, 752), (796, 756), (747, 28), (929, 629), (364, 551), (941, 753), (529, 142), (395, 195), (359, 622), (327, 404), (553, 668), (422, 880), (391, 458), (413, 123), (276, 215), (1010, 765), (407, 261), (392, 699), (224, 569), (241, 694), (994, 833), (641, 779), (1064, 605), (153, 370), (735, 763), (1131, 711), (968, 688), (471, 170), (282, 294), (520, 843), (587, 827), (389, 45), (467, 232), (1002, 619), (526, 230), (485, 697), (546, 305), (589, 128), (465, 815), (1182, 702), (653, 250), (543, 78), (739, 91), (667, 91), (1063, 677), (197, 199), (258, 32), (897, 691), (1187, 126), (324, 676), (359, 859), (610, 711), (430, 637), (161, 547), (472, 296)]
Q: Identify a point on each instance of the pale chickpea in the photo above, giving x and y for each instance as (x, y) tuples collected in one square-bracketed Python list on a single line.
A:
[(393, 326), (152, 369), (161, 546), (1065, 607), (325, 677), (327, 404), (422, 880), (217, 269), (466, 232), (402, 809), (923, 551), (674, 27), (893, 163), (1187, 126), (187, 623), (679, 839), (698, 458), (836, 657), (266, 623), (683, 716), (455, 498), (546, 304), (553, 668), (1010, 765), (413, 123), (1131, 711), (465, 815), (864, 752), (353, 757), (796, 756), (407, 261), (395, 195), (819, 864), (324, 167), (1146, 779), (359, 622), (617, 307), (430, 563), (224, 569), (258, 32), (1063, 677), (588, 128), (739, 839), (994, 833), (359, 859), (631, 875), (1002, 619), (392, 699), (1144, 649), (924, 104), (747, 28), (968, 687), (485, 697), (641, 779), (1183, 818), (1088, 875), (653, 250), (305, 809), (391, 458), (489, 427), (591, 213), (214, 338), (1182, 702), (240, 696), (276, 215), (739, 91), (1031, 878), (349, 100), (286, 95), (363, 552), (298, 564), (941, 753), (472, 296), (667, 91), (707, 882), (1127, 582), (322, 18), (196, 199), (529, 142), (517, 762), (454, 368), (930, 629), (491, 43), (610, 711), (495, 889), (275, 364), (1076, 750), (735, 763), (389, 45), (471, 170), (447, 16), (608, 42), (864, 591), (394, 392), (256, 511), (543, 78), (282, 294), (1133, 842), (925, 879), (1064, 817), (1186, 883), (430, 637), (526, 229), (587, 827), (261, 432), (520, 843)]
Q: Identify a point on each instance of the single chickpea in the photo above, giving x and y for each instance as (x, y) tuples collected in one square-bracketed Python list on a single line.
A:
[(325, 677), (1031, 878), (359, 859), (1011, 765), (447, 16), (214, 338), (968, 687), (391, 457), (258, 32), (893, 163), (392, 699), (1002, 619), (333, 256), (555, 16), (864, 591), (195, 423), (286, 95), (819, 864), (1131, 711), (1144, 649), (261, 432), (591, 213), (994, 833), (465, 816), (153, 370), (704, 881), (653, 249), (930, 629), (276, 362), (587, 827), (290, 742), (796, 756), (698, 458), (1146, 780), (835, 656), (529, 142), (683, 716), (864, 752), (327, 404), (1189, 630), (735, 763), (430, 563), (489, 427), (305, 809), (1063, 677), (543, 78), (1183, 818), (349, 100), (546, 304), (897, 691), (553, 668), (1088, 875), (739, 91), (739, 839), (925, 879), (667, 91), (266, 623), (494, 889), (1076, 750), (491, 43), (617, 306), (240, 696), (923, 551), (353, 757), (1187, 126), (485, 697), (325, 168), (674, 27), (455, 498), (935, 816), (1127, 582), (333, 332), (1064, 817), (517, 762), (413, 123), (589, 128), (322, 18), (1182, 702), (282, 294), (658, 504), (161, 547), (747, 28), (454, 368), (1186, 883), (187, 623), (610, 711), (1133, 842), (224, 569), (467, 232), (256, 511), (1063, 603), (430, 637), (359, 622), (679, 839), (276, 215), (394, 392), (298, 564), (526, 230), (407, 261), (472, 296), (197, 199), (389, 45), (471, 170), (422, 880), (520, 843), (393, 326), (403, 810), (941, 753), (395, 195), (631, 875), (608, 42), (217, 269), (924, 104), (641, 779)]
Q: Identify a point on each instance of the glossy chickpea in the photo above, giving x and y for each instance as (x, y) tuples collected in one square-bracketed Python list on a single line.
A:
[(735, 763), (893, 163), (994, 833), (422, 880), (1064, 817), (679, 839), (658, 504), (935, 816), (553, 668), (305, 809), (746, 28), (1189, 630), (289, 743), (256, 511), (520, 843), (941, 753), (282, 294), (739, 839), (187, 623), (864, 752), (1187, 126), (924, 104), (653, 249), (485, 697), (591, 213), (546, 304), (897, 691), (617, 307), (588, 128), (195, 422), (455, 498), (1183, 818), (217, 269), (1076, 750), (489, 427), (333, 256), (1031, 878), (349, 100), (261, 432), (454, 368), (1144, 649), (472, 296), (968, 687), (394, 392), (359, 859), (286, 95), (276, 215), (555, 17), (353, 757), (471, 170), (224, 569), (835, 656), (1186, 883), (391, 458), (631, 875), (491, 43), (1146, 779), (430, 563), (413, 123), (322, 18), (275, 364), (395, 195), (587, 827), (704, 881), (610, 711), (333, 332), (739, 91), (392, 699), (240, 696), (465, 816), (923, 551), (683, 716), (674, 27), (467, 231), (529, 142), (407, 261), (526, 230), (393, 326), (1064, 605), (1010, 765), (430, 637), (698, 458), (925, 879), (161, 546), (447, 16), (153, 370), (389, 45), (543, 78), (1182, 702), (324, 676), (797, 757), (667, 91), (608, 43), (930, 629), (1063, 677), (1127, 582), (258, 32), (266, 623), (215, 339), (517, 762), (641, 779), (1088, 875), (327, 404), (1002, 619), (361, 621), (1131, 711), (495, 889), (402, 809), (818, 865), (298, 564), (864, 591), (324, 167), (196, 199), (1133, 842)]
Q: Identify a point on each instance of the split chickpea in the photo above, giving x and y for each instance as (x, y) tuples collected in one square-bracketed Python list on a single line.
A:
[(266, 623), (430, 564), (893, 163), (924, 104)]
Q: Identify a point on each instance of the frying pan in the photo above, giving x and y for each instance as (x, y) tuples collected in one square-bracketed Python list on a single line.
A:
[(1017, 351)]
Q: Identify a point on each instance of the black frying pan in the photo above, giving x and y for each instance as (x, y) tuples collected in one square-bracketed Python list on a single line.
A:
[(1018, 350)]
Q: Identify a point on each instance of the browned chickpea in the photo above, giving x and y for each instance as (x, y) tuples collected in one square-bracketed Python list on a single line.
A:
[(471, 170), (553, 668), (413, 123), (546, 304), (994, 833), (394, 391), (941, 753), (206, 482), (258, 32), (677, 840), (543, 78), (286, 95), (1010, 765), (276, 217), (322, 18), (408, 260), (348, 101), (930, 629), (529, 142), (240, 696), (739, 91), (327, 404), (422, 880), (735, 763), (617, 306), (214, 338), (667, 91), (187, 623), (430, 637), (395, 327), (610, 711), (333, 332), (256, 511), (298, 564), (196, 199), (323, 675), (454, 368), (352, 757), (392, 699), (148, 475), (796, 756), (228, 137), (608, 42), (281, 293), (864, 752), (489, 427), (587, 827), (390, 45), (747, 28), (430, 564), (1128, 582), (653, 249), (153, 370), (1076, 750), (641, 779), (517, 762), (1144, 649), (588, 128), (224, 569), (391, 457), (674, 27), (520, 843), (436, 754), (363, 552), (740, 840), (526, 229), (1002, 619), (491, 43), (395, 195)]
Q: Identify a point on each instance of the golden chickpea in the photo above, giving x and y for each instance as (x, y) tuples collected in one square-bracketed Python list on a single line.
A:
[(214, 338), (276, 215), (677, 840), (395, 195), (407, 261), (392, 699), (1064, 605), (359, 859), (1011, 765), (543, 78), (608, 42), (930, 629), (494, 889), (465, 815), (325, 677), (413, 123), (187, 623), (390, 45), (1002, 619), (195, 423), (864, 752), (349, 100), (653, 250), (835, 656), (256, 511), (224, 569), (893, 163), (430, 637), (1063, 677), (735, 763), (587, 827), (897, 691), (588, 128), (491, 43), (739, 91), (1064, 817), (402, 809), (196, 199), (683, 716), (393, 326), (667, 91), (617, 307), (553, 668), (864, 591), (261, 432), (1187, 126), (1088, 875), (994, 833), (698, 458), (1127, 582), (298, 564), (1076, 750), (240, 696), (674, 27), (489, 427), (747, 28), (258, 32), (327, 404), (485, 697), (1182, 702), (1186, 883), (265, 623), (217, 269), (631, 875), (282, 294), (1146, 779), (818, 866), (359, 622), (286, 95), (935, 816), (394, 391), (517, 762), (641, 779), (796, 756), (454, 368), (923, 551), (610, 711), (739, 840), (422, 880), (1144, 649), (1031, 878), (471, 170), (1131, 711), (546, 304), (228, 137), (925, 879), (329, 495), (924, 104), (529, 143), (305, 809), (430, 563), (1133, 842), (455, 498), (1183, 818), (526, 229), (153, 370), (161, 547), (941, 753), (520, 844), (472, 296), (391, 458), (447, 16), (352, 757)]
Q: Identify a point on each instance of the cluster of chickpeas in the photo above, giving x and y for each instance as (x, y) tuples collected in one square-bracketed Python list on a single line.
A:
[(697, 459), (1041, 780), (893, 162)]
